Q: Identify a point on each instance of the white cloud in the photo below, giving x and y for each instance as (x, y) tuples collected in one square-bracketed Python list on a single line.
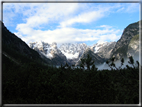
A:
[(132, 7), (90, 13), (128, 7), (24, 29), (36, 16), (51, 12), (105, 26), (83, 18), (64, 35)]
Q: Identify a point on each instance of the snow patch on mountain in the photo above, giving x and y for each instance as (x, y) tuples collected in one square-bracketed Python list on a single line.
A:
[(46, 49), (73, 50), (96, 47), (71, 56), (49, 55)]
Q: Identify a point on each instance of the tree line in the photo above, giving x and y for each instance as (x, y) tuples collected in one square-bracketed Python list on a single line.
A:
[(35, 83)]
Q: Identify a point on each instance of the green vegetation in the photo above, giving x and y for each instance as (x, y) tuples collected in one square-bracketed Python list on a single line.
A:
[(88, 62), (121, 50), (135, 38), (34, 83)]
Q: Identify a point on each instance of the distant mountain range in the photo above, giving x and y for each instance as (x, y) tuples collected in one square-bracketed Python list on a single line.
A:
[(71, 53)]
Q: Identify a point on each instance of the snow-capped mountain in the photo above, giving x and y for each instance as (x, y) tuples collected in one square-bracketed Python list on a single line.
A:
[(73, 50), (50, 51), (47, 49), (103, 49), (98, 46), (69, 52)]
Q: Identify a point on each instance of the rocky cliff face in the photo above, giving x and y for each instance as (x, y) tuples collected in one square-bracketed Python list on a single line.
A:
[(103, 49), (123, 44), (50, 51), (133, 47), (98, 60), (73, 50)]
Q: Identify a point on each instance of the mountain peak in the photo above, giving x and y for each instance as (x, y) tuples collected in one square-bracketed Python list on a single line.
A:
[(73, 50), (122, 44)]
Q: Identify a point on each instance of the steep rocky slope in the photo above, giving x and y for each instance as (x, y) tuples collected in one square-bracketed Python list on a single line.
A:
[(123, 44), (50, 51), (98, 60), (133, 47), (73, 50), (103, 49)]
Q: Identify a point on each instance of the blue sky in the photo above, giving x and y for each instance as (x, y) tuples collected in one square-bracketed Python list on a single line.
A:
[(69, 22)]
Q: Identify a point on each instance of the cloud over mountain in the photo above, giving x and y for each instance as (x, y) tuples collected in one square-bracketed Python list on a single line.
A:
[(63, 22)]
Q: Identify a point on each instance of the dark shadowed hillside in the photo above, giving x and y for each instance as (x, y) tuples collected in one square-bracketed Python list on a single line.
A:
[(16, 49)]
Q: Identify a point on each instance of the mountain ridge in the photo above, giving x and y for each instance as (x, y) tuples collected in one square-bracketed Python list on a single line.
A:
[(71, 53), (121, 48), (17, 49)]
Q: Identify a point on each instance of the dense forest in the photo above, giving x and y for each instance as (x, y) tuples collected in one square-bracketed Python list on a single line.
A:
[(36, 83)]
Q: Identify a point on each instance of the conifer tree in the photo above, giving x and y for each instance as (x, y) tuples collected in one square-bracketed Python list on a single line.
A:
[(88, 62)]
